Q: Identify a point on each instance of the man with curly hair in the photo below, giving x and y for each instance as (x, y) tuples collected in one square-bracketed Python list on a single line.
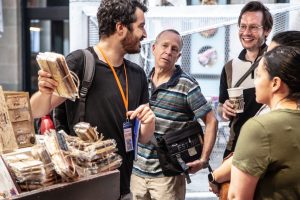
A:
[(119, 91)]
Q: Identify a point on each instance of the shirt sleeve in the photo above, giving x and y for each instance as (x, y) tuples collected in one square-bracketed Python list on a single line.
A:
[(252, 152), (197, 101), (144, 94)]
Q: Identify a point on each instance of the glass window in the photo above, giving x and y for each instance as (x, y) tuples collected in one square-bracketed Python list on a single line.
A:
[(46, 35)]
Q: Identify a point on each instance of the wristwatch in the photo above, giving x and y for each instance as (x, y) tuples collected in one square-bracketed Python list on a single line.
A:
[(211, 179)]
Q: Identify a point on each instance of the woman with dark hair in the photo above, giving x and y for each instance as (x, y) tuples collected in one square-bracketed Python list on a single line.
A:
[(285, 38), (222, 174), (269, 167)]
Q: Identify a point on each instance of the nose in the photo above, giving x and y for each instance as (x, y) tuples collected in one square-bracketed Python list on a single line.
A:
[(169, 50), (144, 33)]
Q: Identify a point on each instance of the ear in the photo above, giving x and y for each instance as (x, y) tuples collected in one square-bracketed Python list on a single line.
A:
[(153, 46), (276, 84), (178, 56), (121, 29), (267, 32)]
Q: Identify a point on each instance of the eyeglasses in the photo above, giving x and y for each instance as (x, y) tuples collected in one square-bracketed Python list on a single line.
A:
[(251, 28)]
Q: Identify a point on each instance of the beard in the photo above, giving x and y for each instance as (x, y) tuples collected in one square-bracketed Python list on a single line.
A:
[(254, 45), (131, 44)]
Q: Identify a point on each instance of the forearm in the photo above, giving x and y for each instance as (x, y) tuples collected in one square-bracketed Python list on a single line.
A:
[(147, 131), (42, 104), (222, 173), (211, 125)]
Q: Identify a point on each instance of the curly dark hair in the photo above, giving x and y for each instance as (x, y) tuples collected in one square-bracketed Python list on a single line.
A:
[(110, 12), (283, 62), (255, 6)]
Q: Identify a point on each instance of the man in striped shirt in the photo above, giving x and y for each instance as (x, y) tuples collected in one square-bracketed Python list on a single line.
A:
[(175, 99)]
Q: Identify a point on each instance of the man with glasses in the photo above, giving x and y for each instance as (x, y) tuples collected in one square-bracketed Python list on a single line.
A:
[(255, 23)]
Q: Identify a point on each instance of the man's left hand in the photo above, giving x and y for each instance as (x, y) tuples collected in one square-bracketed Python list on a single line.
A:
[(143, 113)]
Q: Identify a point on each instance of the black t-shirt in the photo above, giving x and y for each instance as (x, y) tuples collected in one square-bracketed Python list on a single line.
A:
[(104, 105)]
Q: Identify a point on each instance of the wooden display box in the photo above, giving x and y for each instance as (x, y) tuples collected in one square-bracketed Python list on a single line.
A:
[(96, 187), (21, 118)]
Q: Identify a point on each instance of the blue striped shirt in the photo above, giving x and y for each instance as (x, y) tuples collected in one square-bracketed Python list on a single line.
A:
[(174, 104)]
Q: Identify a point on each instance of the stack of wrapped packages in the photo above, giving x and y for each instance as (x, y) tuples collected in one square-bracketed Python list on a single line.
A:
[(32, 168), (90, 152), (56, 65), (59, 157)]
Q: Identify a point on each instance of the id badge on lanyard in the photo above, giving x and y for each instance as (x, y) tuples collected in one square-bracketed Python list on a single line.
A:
[(127, 126), (127, 131)]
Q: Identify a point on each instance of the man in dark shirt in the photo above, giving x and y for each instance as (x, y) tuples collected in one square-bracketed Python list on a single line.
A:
[(119, 89)]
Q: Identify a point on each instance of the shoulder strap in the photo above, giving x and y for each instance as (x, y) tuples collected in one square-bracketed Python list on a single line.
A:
[(252, 68), (248, 72), (89, 71)]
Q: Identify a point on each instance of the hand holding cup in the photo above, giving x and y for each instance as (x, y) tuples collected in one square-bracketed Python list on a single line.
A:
[(236, 98)]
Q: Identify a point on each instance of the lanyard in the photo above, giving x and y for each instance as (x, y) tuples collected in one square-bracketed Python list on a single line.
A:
[(125, 98)]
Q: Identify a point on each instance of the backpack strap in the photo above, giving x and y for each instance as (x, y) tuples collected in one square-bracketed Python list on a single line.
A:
[(253, 66), (88, 75)]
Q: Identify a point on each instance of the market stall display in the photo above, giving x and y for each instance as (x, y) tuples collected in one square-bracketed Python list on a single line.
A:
[(54, 160)]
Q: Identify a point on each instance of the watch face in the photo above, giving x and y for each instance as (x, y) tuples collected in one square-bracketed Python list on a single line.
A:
[(210, 177)]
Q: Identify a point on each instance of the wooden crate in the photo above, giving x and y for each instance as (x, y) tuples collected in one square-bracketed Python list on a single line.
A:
[(7, 137), (21, 117)]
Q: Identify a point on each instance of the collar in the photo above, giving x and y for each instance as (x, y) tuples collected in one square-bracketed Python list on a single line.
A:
[(172, 81), (262, 49)]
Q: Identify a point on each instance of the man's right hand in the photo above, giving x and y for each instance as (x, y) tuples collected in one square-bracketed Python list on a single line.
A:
[(42, 102), (46, 83), (227, 110)]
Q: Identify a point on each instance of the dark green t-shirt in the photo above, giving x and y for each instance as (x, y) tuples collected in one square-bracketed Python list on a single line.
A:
[(269, 148)]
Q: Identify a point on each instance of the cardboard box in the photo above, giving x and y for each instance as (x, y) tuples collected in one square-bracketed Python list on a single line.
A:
[(105, 186)]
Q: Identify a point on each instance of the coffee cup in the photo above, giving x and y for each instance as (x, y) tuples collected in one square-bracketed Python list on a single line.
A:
[(236, 98)]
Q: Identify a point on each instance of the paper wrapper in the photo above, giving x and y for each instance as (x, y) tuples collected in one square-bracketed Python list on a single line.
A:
[(56, 65)]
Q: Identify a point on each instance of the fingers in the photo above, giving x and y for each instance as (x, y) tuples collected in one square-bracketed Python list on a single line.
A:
[(46, 83), (213, 188), (43, 73), (143, 113), (228, 110), (194, 166)]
